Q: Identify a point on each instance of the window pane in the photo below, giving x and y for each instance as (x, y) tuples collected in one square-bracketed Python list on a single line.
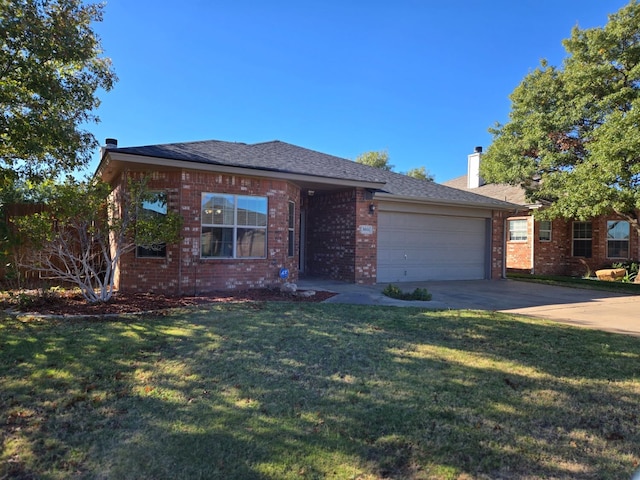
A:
[(517, 229), (617, 239), (618, 230), (582, 248), (291, 250), (251, 242), (618, 249), (216, 242), (582, 239), (152, 208), (582, 230), (252, 211), (217, 209), (292, 213), (544, 233), (159, 251), (155, 206), (292, 224)]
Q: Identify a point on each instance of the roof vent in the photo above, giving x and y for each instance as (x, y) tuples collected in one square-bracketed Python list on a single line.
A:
[(478, 150), (111, 142)]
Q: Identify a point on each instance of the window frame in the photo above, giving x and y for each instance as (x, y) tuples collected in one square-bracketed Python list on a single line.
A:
[(512, 231), (234, 226), (161, 252), (291, 230), (545, 230), (618, 240), (586, 240)]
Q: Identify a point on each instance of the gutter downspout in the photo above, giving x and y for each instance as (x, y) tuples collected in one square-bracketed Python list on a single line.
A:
[(533, 245)]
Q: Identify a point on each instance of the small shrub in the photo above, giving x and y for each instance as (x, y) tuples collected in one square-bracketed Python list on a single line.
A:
[(393, 291), (421, 294), (25, 299), (631, 268)]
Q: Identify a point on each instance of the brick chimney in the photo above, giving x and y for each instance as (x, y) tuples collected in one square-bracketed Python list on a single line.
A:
[(474, 180)]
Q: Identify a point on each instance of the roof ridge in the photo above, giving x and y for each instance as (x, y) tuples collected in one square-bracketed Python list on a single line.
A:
[(194, 142)]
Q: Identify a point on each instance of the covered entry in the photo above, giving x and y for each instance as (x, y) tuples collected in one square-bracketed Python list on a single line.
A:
[(422, 245)]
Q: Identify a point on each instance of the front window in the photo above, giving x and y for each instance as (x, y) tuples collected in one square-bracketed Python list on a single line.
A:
[(154, 207), (617, 239), (233, 226), (582, 239), (518, 230), (544, 232)]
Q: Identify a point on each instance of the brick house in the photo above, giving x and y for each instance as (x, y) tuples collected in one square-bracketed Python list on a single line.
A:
[(558, 247), (255, 213)]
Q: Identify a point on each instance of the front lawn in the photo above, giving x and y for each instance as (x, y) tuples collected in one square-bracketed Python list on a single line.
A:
[(291, 391)]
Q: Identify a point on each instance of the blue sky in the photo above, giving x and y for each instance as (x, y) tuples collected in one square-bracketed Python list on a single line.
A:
[(423, 80)]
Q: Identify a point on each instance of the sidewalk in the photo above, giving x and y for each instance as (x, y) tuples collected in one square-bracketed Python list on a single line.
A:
[(610, 312)]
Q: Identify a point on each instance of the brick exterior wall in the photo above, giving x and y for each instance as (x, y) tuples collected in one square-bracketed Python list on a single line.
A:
[(555, 257), (337, 246), (518, 252), (341, 237), (497, 245), (183, 271)]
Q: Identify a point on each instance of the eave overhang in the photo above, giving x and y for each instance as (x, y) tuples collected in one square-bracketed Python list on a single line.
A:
[(114, 162), (502, 206)]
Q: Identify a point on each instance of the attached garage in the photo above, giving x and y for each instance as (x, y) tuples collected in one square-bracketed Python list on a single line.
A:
[(417, 243)]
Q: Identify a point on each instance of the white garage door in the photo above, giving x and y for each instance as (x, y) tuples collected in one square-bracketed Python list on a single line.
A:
[(415, 247)]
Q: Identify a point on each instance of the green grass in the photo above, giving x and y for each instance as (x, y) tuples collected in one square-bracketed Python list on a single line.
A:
[(290, 391)]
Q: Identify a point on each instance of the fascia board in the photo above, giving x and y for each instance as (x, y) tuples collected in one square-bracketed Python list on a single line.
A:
[(125, 158), (458, 203)]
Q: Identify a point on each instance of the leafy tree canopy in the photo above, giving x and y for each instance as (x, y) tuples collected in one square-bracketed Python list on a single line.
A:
[(50, 70), (376, 159), (421, 173), (573, 135), (381, 160)]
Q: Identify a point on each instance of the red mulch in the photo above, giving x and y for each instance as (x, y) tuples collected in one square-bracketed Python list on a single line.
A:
[(121, 303)]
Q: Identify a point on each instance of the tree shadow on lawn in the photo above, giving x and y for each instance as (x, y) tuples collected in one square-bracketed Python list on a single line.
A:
[(290, 391)]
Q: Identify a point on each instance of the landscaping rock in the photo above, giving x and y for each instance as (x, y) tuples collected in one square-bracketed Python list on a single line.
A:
[(305, 293), (611, 274), (288, 288)]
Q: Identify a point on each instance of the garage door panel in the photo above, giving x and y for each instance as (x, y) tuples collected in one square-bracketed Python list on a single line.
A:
[(414, 247)]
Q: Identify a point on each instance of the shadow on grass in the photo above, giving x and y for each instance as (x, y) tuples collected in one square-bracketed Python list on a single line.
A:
[(317, 391)]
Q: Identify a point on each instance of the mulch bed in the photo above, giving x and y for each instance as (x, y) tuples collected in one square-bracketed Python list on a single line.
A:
[(123, 303)]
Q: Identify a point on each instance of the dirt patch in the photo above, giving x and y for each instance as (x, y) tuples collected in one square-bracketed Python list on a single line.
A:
[(72, 303)]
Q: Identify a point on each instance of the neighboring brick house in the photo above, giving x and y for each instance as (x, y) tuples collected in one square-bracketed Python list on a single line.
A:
[(252, 211), (558, 247)]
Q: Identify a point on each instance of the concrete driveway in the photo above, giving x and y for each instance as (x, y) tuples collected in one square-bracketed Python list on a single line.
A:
[(587, 308)]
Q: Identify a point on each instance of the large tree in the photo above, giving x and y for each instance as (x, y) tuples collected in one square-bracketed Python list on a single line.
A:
[(50, 71), (573, 135)]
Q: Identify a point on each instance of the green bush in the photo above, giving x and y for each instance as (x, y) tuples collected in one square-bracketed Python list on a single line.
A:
[(631, 268), (418, 294)]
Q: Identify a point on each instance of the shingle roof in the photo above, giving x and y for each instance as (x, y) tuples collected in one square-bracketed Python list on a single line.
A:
[(273, 156), (402, 185), (499, 191), (287, 158)]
